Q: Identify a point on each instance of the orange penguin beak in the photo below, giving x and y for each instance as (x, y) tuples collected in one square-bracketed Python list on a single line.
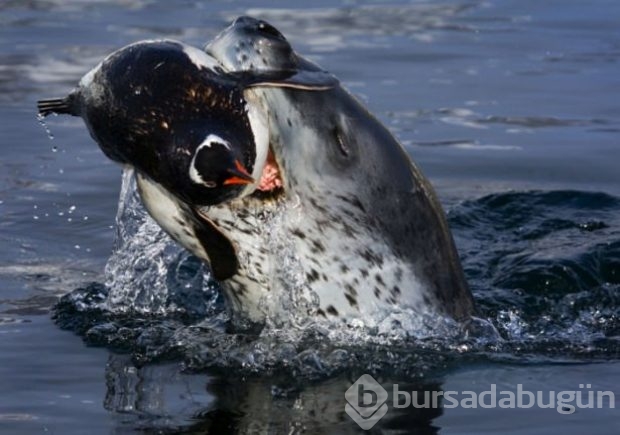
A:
[(239, 175)]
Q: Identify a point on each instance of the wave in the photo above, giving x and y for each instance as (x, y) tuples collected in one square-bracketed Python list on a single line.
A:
[(544, 268)]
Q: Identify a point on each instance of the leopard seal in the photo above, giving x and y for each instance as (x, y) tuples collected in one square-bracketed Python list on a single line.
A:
[(363, 226)]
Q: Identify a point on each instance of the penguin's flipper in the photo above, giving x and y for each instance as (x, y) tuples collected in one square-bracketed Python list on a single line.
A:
[(222, 254), (189, 227)]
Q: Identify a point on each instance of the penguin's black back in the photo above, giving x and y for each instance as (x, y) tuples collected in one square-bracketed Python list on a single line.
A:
[(150, 105)]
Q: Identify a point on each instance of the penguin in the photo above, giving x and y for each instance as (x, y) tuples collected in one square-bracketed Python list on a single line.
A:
[(171, 112)]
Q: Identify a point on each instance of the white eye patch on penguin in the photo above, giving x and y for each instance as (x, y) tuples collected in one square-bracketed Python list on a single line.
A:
[(215, 164)]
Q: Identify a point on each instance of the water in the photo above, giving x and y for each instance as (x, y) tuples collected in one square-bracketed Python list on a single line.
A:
[(509, 107)]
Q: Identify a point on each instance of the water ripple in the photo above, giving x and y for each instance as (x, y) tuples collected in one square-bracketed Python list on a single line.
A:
[(545, 268)]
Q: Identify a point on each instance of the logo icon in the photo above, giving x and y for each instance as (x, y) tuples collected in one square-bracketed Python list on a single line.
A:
[(366, 402)]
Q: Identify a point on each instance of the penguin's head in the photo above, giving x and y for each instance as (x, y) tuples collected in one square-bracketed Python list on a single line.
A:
[(215, 164), (219, 169)]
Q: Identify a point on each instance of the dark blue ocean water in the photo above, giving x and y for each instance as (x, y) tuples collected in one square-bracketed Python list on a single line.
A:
[(511, 108)]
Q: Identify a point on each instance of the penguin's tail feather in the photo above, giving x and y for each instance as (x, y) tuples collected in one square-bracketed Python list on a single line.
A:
[(61, 106)]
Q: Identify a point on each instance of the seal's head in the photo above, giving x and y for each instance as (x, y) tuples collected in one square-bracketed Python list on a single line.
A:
[(253, 45), (260, 55)]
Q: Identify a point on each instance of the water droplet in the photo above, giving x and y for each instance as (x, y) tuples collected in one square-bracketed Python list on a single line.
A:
[(71, 209), (54, 149), (41, 120), (77, 247)]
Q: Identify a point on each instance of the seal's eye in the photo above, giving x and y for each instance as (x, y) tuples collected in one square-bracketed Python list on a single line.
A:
[(269, 30)]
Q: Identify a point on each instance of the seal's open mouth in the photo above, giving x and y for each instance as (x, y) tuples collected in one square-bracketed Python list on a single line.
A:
[(270, 184), (270, 179)]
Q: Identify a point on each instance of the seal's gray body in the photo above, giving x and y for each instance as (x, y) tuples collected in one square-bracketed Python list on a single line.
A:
[(362, 227)]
